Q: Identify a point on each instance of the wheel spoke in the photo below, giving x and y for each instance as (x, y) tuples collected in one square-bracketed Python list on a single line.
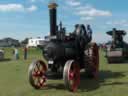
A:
[(71, 75), (74, 86), (76, 78), (39, 81), (35, 69), (36, 80), (38, 65), (42, 69), (34, 74)]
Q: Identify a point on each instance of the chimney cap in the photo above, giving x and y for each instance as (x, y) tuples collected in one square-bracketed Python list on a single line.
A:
[(52, 5)]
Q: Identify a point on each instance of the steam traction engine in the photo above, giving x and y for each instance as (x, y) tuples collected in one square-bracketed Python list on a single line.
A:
[(65, 54), (118, 50)]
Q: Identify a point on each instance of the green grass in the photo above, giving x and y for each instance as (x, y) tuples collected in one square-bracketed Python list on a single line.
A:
[(113, 79)]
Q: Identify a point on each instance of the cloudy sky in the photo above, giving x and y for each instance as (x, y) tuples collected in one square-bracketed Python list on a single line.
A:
[(30, 18)]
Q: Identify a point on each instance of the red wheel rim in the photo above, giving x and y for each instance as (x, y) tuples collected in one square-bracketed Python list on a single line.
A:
[(39, 74), (74, 76)]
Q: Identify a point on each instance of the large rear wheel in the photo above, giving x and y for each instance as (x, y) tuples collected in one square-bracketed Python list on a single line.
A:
[(92, 61), (71, 75), (37, 74)]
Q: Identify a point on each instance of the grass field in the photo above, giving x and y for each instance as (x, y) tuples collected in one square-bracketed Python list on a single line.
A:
[(113, 79)]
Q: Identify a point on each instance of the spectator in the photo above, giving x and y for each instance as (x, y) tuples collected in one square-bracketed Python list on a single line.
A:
[(16, 54), (25, 53)]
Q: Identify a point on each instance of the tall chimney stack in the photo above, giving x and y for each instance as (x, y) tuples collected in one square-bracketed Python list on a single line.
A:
[(52, 13)]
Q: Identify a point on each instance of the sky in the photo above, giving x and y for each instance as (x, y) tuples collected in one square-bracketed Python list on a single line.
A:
[(30, 18)]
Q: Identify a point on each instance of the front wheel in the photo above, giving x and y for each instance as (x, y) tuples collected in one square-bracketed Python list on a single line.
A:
[(37, 74), (71, 75)]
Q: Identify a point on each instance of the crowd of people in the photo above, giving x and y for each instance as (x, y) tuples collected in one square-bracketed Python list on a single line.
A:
[(16, 53)]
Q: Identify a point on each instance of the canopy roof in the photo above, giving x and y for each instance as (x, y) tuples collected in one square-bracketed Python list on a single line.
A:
[(120, 32)]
